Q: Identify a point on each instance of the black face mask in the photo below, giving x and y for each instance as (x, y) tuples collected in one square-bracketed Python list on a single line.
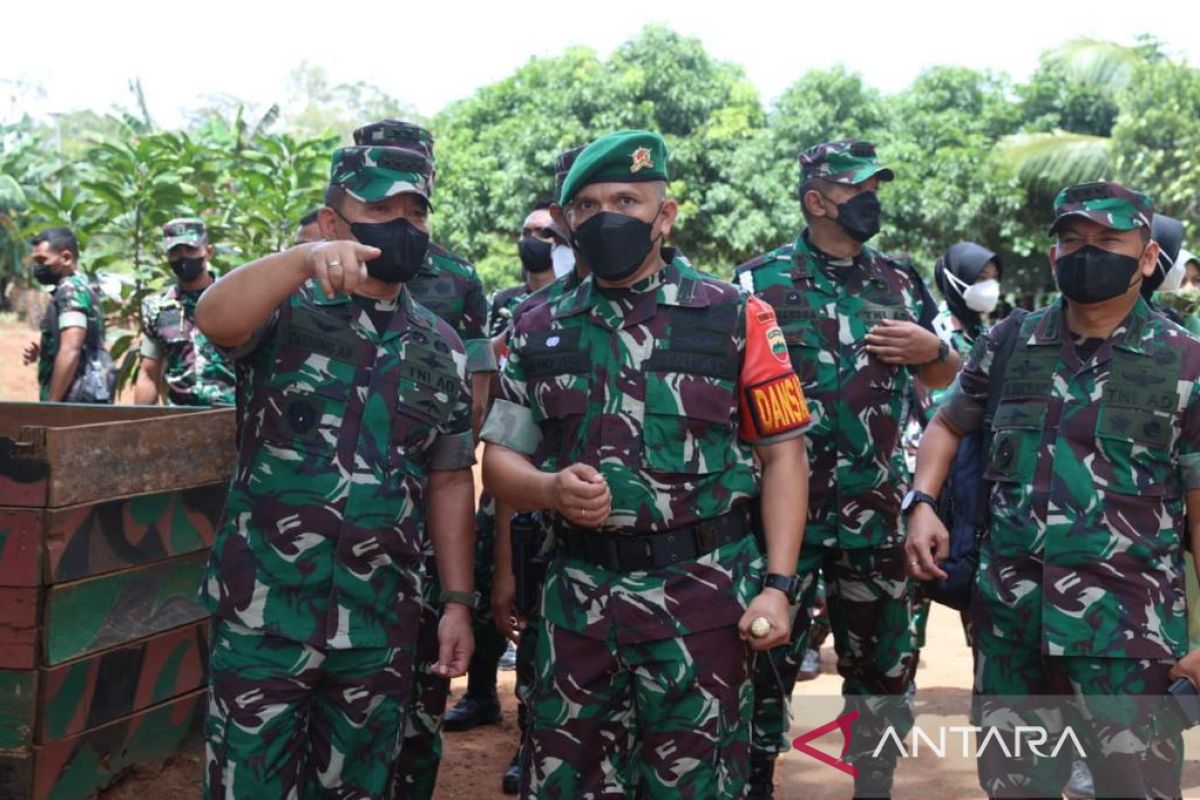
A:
[(1091, 275), (859, 216), (45, 275), (614, 245), (188, 269), (402, 247), (535, 254)]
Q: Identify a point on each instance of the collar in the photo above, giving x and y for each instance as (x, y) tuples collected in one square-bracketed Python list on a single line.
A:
[(673, 285), (1130, 335)]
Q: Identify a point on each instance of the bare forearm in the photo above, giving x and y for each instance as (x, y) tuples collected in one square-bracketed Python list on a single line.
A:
[(502, 549), (66, 363), (481, 385), (939, 374), (935, 455), (514, 481), (784, 504), (145, 391), (231, 309), (451, 526)]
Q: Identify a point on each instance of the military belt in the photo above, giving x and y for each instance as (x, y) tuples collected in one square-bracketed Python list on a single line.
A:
[(646, 551)]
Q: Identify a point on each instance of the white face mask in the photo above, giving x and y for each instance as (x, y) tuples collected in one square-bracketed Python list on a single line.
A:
[(980, 297), (562, 258), (1174, 277)]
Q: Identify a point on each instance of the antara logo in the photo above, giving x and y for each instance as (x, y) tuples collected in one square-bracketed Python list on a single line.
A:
[(1031, 739)]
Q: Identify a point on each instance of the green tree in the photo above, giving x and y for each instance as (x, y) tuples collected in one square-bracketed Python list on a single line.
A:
[(1156, 141), (496, 149)]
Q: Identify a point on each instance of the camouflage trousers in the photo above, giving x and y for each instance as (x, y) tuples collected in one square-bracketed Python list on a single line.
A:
[(288, 720), (667, 718), (1115, 708), (421, 754), (868, 601)]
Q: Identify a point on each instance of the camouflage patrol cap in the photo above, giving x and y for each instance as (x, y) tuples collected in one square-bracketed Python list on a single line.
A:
[(396, 133), (371, 174), (562, 165), (621, 157), (185, 230), (851, 161), (1105, 203)]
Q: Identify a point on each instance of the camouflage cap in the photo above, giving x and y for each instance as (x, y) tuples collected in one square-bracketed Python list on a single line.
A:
[(371, 174), (185, 230), (396, 133), (621, 157), (562, 165), (1105, 203), (851, 161)]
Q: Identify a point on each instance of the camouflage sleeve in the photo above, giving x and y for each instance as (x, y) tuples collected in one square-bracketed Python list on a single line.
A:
[(966, 399), (1189, 443), (771, 404), (510, 422), (74, 304), (454, 446), (151, 345), (261, 334), (473, 329)]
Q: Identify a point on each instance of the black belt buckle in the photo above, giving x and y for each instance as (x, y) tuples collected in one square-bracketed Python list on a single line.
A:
[(634, 554), (706, 536)]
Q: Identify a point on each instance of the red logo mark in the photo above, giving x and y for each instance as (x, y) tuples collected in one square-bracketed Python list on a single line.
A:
[(841, 723)]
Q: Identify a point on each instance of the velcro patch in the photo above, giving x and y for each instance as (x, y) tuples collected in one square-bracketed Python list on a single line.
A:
[(778, 405)]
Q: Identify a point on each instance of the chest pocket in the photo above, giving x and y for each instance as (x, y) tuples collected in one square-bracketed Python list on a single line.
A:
[(801, 330), (1135, 427), (171, 325), (688, 423), (557, 369), (1134, 443), (1016, 439), (427, 390), (307, 418)]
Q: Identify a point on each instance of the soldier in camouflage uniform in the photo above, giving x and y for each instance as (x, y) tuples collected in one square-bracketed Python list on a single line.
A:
[(858, 325), (73, 326), (174, 350), (481, 704), (355, 446), (634, 408), (535, 247), (449, 287), (1095, 468)]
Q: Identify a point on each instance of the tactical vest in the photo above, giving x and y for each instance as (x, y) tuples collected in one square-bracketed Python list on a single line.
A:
[(1133, 424), (321, 416), (695, 342)]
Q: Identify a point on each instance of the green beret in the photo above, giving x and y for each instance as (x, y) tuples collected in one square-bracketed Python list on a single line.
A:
[(621, 157), (371, 174), (1105, 203)]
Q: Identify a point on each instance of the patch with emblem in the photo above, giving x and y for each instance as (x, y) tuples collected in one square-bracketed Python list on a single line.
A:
[(778, 405), (642, 159), (778, 343)]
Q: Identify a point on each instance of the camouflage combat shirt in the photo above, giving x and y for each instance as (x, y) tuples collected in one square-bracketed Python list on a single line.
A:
[(341, 424), (1090, 461), (194, 370), (826, 306), (662, 388), (450, 287), (73, 304)]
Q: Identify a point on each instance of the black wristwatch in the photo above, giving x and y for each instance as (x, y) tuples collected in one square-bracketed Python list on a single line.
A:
[(914, 497), (788, 584)]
